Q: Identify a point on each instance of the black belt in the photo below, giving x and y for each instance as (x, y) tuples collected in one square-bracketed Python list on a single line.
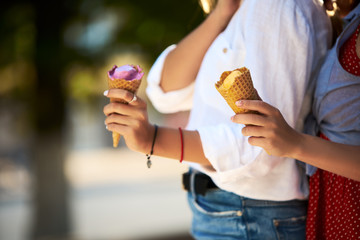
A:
[(202, 182)]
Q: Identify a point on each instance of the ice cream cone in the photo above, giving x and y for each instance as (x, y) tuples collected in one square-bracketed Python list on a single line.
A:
[(236, 85), (131, 85)]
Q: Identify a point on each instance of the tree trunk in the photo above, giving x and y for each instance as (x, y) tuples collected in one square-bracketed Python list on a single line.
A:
[(51, 189)]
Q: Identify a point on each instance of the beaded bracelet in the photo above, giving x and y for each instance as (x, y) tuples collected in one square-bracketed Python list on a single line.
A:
[(152, 148)]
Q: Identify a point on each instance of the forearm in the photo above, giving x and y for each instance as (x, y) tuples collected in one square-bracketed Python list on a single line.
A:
[(168, 144), (334, 157), (270, 131), (182, 64)]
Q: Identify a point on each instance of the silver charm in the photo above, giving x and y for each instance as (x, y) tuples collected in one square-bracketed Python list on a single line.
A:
[(149, 163)]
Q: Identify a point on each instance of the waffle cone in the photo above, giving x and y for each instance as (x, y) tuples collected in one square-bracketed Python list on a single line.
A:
[(241, 88), (131, 86)]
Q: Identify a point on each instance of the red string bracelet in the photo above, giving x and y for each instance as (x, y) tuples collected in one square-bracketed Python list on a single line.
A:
[(182, 145)]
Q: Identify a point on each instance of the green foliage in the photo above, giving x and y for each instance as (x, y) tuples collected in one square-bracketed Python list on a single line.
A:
[(93, 31), (156, 24)]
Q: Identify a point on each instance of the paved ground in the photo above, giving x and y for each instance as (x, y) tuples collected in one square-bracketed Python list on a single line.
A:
[(114, 196)]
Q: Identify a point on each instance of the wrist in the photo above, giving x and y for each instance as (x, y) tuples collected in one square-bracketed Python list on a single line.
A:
[(151, 139), (144, 146), (299, 146)]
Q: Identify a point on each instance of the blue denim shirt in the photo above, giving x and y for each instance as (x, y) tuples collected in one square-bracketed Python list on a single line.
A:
[(336, 106)]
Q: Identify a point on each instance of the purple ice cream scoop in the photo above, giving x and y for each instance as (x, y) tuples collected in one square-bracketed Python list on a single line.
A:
[(127, 72)]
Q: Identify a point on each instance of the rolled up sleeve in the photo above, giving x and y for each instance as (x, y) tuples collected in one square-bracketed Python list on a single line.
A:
[(169, 102)]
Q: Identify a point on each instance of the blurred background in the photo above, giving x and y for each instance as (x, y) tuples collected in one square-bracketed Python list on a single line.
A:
[(60, 178)]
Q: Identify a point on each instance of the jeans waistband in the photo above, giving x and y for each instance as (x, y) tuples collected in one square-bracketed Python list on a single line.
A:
[(202, 183)]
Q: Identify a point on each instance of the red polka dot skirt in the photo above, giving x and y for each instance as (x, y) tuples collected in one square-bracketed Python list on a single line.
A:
[(334, 201), (334, 207)]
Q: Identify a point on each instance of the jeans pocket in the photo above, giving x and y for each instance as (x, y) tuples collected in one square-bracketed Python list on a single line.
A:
[(290, 228), (211, 205), (215, 219)]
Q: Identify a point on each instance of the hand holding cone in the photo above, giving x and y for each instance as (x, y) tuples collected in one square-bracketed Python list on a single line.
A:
[(126, 77), (236, 85)]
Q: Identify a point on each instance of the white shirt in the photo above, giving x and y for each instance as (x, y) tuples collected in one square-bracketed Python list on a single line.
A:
[(281, 43)]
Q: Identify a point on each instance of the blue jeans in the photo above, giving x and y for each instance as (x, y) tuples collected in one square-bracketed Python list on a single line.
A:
[(224, 215)]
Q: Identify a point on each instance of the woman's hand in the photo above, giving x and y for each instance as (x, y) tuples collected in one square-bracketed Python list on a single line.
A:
[(268, 129), (129, 120), (328, 5)]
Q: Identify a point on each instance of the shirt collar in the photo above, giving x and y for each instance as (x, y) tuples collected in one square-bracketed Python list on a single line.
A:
[(354, 13)]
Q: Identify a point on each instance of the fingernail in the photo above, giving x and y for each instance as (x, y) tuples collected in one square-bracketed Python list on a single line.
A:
[(106, 126), (239, 103), (106, 93), (232, 118)]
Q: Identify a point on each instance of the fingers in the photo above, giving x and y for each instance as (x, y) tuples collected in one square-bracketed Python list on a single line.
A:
[(113, 127), (128, 96), (256, 105), (254, 131), (117, 108), (135, 107), (119, 119), (122, 124), (125, 110), (258, 141), (249, 119), (134, 99)]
